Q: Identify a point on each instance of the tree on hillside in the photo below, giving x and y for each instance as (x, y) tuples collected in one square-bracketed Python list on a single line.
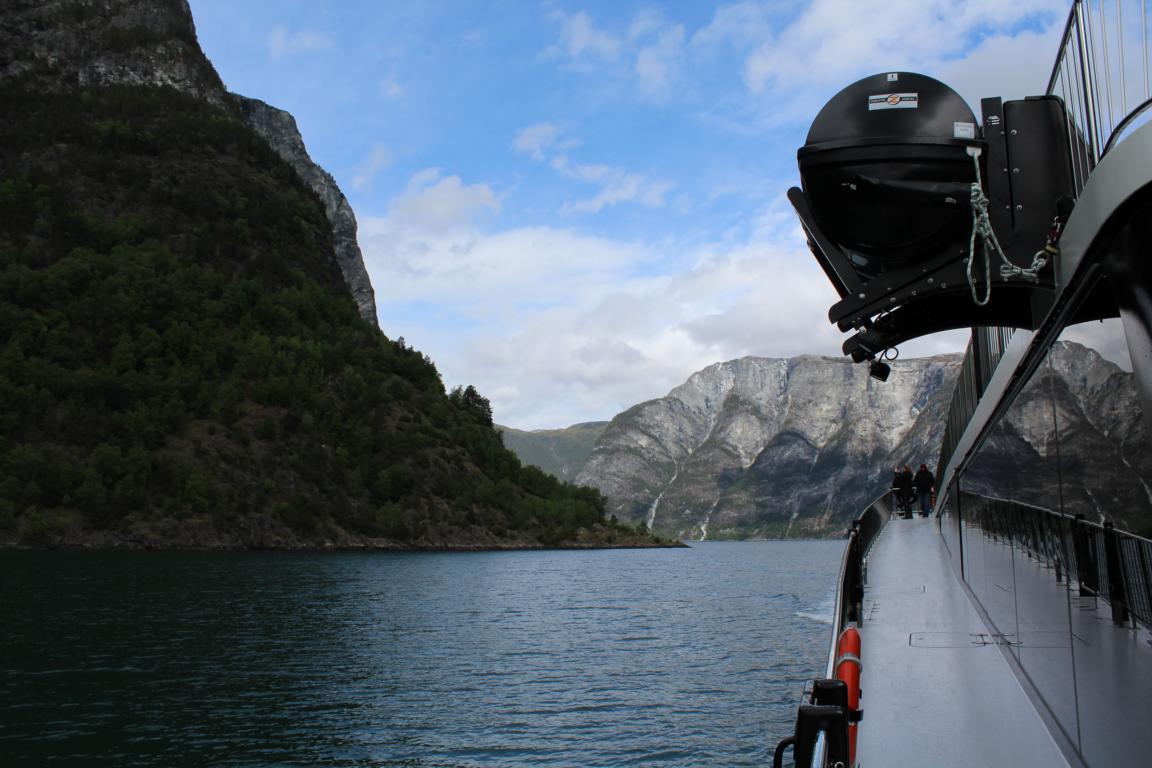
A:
[(471, 401)]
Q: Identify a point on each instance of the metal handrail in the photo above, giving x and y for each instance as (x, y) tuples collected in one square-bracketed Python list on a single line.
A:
[(849, 608), (1108, 563), (1096, 79), (850, 582)]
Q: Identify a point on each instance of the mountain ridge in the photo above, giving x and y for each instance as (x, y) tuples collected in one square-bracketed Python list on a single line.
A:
[(700, 461), (182, 359), (765, 447)]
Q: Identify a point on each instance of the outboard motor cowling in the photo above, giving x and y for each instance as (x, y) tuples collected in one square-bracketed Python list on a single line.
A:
[(886, 171), (926, 220)]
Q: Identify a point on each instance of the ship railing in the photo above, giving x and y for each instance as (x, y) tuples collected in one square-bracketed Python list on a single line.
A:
[(823, 717), (1102, 75), (1101, 560), (854, 570), (985, 350)]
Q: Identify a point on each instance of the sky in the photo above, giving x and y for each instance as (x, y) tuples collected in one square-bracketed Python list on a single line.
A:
[(574, 206)]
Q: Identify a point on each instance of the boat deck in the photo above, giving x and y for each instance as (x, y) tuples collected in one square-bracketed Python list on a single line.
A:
[(936, 689)]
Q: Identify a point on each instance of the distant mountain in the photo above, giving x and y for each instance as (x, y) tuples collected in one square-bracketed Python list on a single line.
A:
[(559, 452), (770, 447), (797, 447), (1103, 466)]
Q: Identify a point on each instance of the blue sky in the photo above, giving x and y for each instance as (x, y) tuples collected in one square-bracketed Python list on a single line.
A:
[(576, 205)]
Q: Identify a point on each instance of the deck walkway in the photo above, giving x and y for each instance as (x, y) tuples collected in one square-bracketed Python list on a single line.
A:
[(933, 692)]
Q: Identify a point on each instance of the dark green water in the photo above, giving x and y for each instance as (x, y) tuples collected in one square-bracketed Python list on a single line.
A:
[(607, 658)]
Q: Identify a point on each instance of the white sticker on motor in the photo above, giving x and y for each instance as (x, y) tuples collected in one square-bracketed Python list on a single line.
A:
[(963, 130), (893, 101)]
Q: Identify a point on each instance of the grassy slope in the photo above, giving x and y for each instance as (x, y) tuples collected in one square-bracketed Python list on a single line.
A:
[(559, 452)]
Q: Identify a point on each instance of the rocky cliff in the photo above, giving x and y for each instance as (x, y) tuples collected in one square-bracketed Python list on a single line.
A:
[(279, 129), (764, 447), (770, 447), (56, 44)]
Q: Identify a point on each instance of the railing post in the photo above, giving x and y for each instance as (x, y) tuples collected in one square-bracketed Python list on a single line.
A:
[(1114, 563), (1085, 563), (1056, 543), (1087, 80)]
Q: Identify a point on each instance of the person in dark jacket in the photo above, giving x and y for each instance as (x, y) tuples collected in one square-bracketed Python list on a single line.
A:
[(925, 484), (905, 490), (894, 488)]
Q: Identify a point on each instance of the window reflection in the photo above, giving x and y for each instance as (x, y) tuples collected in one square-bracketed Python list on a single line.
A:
[(1074, 442), (1105, 461)]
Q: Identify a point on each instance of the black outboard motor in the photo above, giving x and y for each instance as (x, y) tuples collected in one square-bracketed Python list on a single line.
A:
[(897, 174)]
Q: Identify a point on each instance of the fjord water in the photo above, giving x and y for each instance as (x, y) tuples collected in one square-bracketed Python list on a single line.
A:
[(674, 657)]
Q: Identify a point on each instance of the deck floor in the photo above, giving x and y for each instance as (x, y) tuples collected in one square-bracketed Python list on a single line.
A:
[(933, 692)]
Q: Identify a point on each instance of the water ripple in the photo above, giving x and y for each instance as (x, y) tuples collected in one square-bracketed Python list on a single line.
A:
[(664, 658)]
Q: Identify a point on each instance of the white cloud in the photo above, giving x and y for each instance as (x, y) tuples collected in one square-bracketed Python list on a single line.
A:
[(740, 24), (433, 203), (581, 40), (487, 273), (1021, 65), (556, 326), (648, 52), (535, 139), (379, 159), (832, 38), (658, 64), (796, 68), (617, 186), (282, 43)]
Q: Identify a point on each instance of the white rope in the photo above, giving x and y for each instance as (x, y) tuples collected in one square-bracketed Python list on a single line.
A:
[(982, 225)]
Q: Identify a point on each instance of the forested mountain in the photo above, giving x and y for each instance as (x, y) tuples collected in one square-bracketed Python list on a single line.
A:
[(559, 452), (182, 358)]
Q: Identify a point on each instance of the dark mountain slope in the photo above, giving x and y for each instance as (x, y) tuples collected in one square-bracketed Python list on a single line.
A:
[(181, 362)]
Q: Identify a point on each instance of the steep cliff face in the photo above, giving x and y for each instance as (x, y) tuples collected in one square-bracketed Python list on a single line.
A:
[(279, 129), (67, 43), (768, 447), (56, 44)]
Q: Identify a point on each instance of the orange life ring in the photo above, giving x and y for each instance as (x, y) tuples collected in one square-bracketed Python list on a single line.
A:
[(848, 669)]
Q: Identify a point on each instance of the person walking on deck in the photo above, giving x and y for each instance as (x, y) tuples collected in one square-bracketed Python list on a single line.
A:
[(925, 484), (904, 484)]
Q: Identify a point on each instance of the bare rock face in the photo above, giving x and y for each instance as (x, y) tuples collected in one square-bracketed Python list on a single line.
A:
[(279, 129), (69, 43), (60, 44), (770, 447)]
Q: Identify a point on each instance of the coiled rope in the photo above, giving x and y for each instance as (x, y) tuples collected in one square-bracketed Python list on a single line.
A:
[(982, 226)]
